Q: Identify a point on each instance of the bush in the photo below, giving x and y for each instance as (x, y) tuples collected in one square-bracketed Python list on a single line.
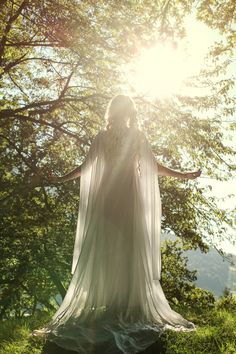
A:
[(227, 302), (200, 299)]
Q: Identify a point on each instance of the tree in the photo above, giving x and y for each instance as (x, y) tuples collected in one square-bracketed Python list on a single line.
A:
[(178, 281)]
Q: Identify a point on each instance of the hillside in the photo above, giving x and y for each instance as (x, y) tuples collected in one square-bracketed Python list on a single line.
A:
[(213, 272)]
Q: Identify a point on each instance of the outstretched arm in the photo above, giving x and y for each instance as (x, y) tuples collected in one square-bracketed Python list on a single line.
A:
[(165, 171), (69, 176), (40, 179)]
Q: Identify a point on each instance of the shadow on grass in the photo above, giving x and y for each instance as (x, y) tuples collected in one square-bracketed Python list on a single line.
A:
[(158, 347), (52, 348)]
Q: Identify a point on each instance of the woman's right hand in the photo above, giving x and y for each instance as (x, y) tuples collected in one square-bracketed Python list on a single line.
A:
[(53, 179), (192, 175), (44, 179)]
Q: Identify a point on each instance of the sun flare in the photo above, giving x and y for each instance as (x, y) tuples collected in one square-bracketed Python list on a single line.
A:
[(159, 70), (162, 69)]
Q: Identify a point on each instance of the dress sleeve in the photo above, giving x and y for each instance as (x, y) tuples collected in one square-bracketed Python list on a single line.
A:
[(144, 143), (150, 196), (91, 173), (93, 150)]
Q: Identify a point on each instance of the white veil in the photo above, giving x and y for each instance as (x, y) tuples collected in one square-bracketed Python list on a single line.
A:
[(91, 174), (149, 189), (147, 180)]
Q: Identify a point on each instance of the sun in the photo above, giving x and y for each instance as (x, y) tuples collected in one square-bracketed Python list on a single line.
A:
[(159, 70), (162, 69)]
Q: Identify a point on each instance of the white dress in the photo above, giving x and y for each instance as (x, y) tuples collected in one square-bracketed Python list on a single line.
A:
[(115, 298)]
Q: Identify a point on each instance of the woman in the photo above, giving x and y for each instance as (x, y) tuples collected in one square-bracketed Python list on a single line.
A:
[(115, 298)]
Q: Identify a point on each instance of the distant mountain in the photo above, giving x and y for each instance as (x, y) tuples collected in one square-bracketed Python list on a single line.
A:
[(213, 273)]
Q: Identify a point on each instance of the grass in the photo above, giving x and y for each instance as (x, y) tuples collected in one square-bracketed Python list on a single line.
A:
[(15, 335), (216, 333)]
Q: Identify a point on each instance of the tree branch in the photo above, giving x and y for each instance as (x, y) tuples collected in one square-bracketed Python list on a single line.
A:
[(20, 60), (8, 27), (49, 124), (6, 113)]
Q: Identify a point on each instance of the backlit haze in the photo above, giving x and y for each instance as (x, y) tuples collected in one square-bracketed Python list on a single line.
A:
[(161, 71)]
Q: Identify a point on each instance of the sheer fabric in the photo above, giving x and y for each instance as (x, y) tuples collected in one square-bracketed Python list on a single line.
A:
[(115, 298)]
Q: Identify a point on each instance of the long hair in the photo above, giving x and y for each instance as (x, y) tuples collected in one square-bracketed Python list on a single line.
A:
[(120, 109)]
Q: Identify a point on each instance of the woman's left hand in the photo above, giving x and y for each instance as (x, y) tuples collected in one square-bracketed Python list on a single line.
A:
[(192, 175)]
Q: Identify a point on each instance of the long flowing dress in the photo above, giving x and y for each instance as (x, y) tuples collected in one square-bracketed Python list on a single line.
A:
[(115, 298)]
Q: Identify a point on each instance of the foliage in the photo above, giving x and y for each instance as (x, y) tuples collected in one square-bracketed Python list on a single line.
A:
[(60, 62), (176, 279), (227, 301)]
